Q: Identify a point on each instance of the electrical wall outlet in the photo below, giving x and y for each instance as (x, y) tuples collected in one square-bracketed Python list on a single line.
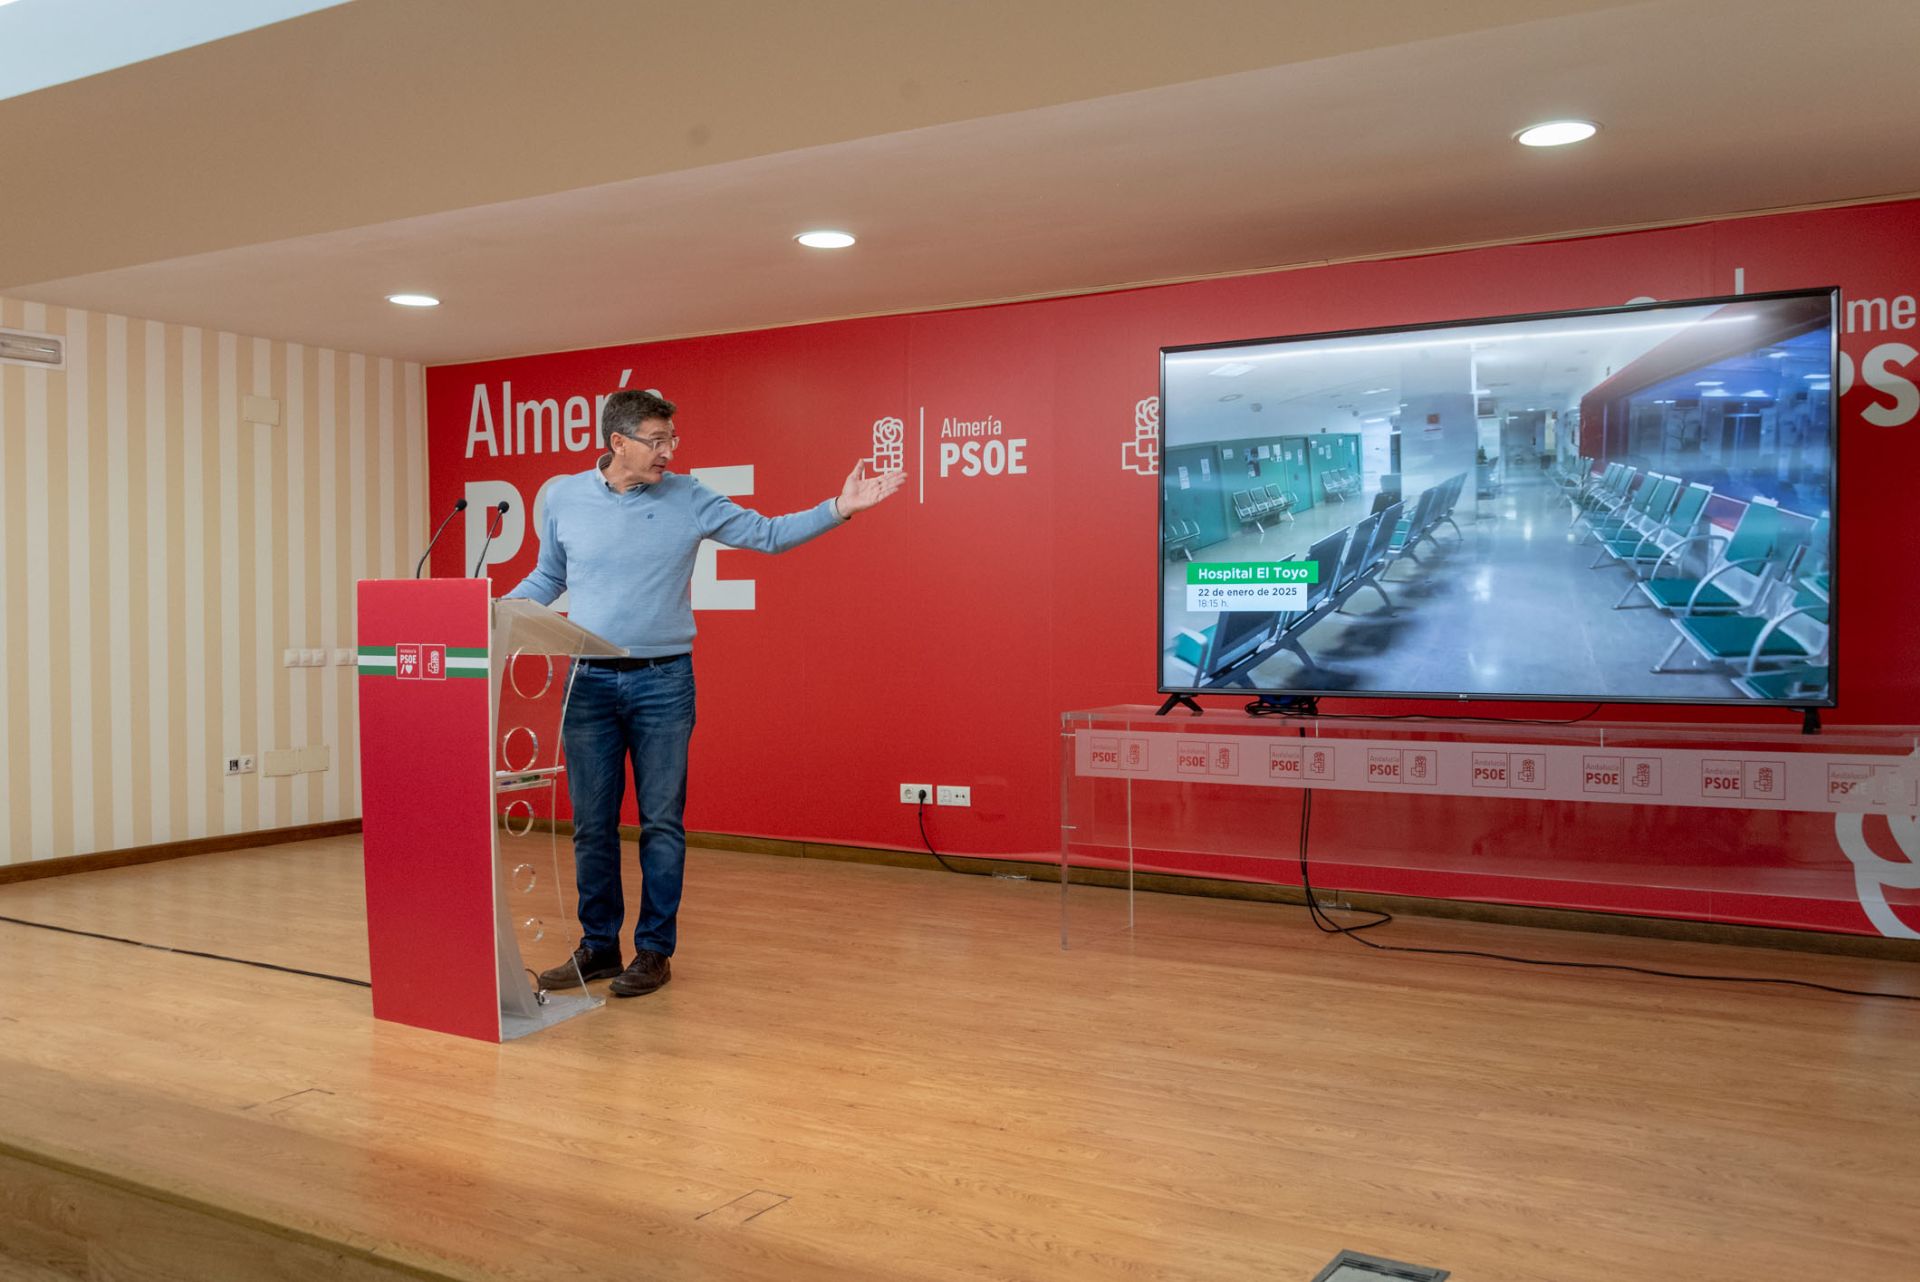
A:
[(952, 795), (912, 794), (240, 763)]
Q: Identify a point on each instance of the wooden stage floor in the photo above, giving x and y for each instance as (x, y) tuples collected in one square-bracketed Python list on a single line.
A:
[(864, 1072)]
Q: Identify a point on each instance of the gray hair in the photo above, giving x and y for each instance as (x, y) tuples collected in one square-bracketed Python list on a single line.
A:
[(627, 410)]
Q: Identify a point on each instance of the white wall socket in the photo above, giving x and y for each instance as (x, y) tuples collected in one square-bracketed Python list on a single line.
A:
[(912, 794), (951, 795), (240, 763)]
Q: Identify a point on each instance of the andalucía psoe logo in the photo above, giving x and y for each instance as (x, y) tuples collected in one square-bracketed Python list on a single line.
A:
[(889, 445), (420, 662), (1141, 455)]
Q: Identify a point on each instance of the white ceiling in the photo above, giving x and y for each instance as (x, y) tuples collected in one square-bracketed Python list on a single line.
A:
[(593, 172)]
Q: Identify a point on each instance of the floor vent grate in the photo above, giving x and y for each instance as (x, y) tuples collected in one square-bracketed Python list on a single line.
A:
[(1351, 1266)]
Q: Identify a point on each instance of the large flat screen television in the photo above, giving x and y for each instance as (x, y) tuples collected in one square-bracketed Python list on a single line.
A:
[(1627, 505)]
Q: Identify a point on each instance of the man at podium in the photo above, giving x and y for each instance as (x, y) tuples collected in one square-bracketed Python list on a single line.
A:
[(620, 540)]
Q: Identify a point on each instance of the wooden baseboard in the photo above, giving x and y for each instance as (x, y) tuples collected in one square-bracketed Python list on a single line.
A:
[(37, 868)]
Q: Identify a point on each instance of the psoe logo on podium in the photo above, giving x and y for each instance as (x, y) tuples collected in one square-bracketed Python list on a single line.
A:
[(420, 662)]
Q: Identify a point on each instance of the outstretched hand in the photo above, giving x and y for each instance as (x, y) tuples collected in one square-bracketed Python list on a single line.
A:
[(863, 491)]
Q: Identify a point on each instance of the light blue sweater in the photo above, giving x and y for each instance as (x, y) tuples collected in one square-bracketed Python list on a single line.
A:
[(626, 560)]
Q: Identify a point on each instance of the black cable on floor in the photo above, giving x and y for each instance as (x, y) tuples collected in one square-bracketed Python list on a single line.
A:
[(929, 844), (190, 952), (1327, 925)]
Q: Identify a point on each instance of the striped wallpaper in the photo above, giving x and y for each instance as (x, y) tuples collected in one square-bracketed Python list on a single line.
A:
[(158, 555)]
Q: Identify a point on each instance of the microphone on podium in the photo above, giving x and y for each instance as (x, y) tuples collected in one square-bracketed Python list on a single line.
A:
[(492, 530), (459, 506)]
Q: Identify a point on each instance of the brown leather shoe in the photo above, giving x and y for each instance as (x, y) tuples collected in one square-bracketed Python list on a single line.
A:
[(649, 971), (584, 966)]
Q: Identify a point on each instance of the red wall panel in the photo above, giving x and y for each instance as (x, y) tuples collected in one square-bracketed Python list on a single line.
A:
[(938, 638)]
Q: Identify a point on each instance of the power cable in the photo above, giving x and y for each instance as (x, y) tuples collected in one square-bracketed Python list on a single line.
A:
[(921, 810), (190, 952)]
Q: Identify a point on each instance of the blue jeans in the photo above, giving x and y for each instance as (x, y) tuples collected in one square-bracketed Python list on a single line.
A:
[(642, 719)]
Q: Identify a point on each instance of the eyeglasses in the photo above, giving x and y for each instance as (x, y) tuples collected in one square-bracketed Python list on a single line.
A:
[(657, 443)]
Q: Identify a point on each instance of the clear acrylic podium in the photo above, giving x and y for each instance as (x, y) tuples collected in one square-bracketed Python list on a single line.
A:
[(461, 703), (1740, 824)]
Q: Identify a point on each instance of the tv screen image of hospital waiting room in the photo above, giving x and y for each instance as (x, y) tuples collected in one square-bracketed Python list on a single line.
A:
[(1624, 505)]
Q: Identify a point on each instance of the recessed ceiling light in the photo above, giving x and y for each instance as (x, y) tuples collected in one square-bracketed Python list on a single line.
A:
[(413, 300), (1372, 390), (1709, 382), (824, 239), (1231, 396), (1556, 133)]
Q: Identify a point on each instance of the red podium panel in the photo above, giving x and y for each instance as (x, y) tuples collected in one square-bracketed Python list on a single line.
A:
[(461, 880), (426, 777)]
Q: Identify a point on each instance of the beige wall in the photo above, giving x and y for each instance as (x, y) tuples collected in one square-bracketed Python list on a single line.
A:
[(157, 557)]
